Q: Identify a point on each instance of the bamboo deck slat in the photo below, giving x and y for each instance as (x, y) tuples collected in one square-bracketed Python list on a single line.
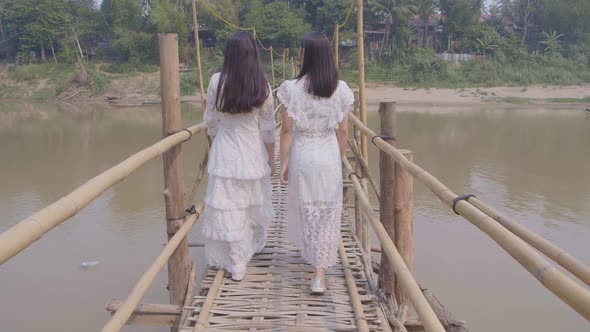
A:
[(274, 295)]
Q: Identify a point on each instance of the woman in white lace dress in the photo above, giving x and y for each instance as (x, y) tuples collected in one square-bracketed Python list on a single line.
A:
[(240, 117), (313, 141)]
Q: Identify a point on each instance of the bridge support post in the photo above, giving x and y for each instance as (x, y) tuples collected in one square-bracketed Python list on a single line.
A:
[(396, 189), (178, 264)]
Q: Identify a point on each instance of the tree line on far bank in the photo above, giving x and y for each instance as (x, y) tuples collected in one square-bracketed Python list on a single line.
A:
[(403, 35)]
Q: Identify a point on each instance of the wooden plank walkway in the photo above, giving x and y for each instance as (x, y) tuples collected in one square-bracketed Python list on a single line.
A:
[(274, 295)]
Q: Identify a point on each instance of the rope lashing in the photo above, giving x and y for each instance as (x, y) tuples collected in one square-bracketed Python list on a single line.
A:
[(460, 198), (190, 133), (383, 137), (190, 211)]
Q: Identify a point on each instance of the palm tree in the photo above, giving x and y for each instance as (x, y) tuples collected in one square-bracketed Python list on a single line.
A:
[(425, 10), (395, 13)]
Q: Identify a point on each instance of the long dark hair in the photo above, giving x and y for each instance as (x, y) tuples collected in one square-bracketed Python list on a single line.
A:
[(318, 65), (242, 85)]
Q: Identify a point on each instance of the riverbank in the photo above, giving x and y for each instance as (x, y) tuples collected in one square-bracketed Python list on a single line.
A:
[(57, 83)]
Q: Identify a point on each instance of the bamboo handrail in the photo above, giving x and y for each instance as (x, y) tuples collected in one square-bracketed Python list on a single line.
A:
[(573, 294), (557, 254), (31, 229), (126, 309), (425, 312)]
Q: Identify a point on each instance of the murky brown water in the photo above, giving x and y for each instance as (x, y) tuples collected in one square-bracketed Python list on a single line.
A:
[(531, 164)]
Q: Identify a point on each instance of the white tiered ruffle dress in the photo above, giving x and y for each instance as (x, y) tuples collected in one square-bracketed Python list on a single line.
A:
[(238, 206), (315, 170)]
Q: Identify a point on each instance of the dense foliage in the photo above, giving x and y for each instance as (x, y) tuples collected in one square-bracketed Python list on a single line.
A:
[(406, 34)]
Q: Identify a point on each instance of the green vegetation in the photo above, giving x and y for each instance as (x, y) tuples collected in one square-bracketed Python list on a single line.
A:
[(7, 91), (569, 100), (515, 42)]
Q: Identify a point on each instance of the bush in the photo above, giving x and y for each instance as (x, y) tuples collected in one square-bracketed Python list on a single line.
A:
[(424, 66), (130, 68), (31, 72)]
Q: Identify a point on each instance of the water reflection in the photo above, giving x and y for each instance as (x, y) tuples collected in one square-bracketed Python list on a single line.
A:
[(528, 164)]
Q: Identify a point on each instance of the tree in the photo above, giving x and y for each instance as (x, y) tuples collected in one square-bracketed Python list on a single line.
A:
[(36, 23), (395, 13), (526, 10), (86, 21), (569, 17), (276, 25), (484, 39), (425, 10), (2, 34), (460, 15)]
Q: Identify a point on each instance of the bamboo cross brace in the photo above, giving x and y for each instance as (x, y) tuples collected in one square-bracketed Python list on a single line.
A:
[(363, 162)]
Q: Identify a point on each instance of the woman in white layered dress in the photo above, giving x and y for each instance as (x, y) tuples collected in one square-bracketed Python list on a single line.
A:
[(240, 118), (313, 141)]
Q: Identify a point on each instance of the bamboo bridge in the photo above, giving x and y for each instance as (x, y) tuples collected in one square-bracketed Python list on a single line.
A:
[(362, 294)]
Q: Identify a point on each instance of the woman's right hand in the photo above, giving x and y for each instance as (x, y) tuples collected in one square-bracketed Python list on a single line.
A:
[(284, 173)]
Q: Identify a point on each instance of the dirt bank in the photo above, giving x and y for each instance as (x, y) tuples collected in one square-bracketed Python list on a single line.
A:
[(135, 90)]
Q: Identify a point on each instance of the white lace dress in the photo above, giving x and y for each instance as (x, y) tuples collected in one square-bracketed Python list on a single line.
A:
[(315, 170), (238, 207)]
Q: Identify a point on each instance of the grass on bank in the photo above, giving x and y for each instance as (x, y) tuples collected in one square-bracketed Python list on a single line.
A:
[(58, 77)]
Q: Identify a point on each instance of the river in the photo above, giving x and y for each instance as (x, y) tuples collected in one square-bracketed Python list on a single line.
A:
[(530, 164)]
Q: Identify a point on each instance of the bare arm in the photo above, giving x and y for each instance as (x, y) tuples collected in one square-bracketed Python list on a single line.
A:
[(286, 138), (211, 116), (342, 136), (268, 127)]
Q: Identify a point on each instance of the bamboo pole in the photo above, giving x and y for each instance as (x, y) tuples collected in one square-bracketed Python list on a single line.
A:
[(387, 207), (366, 233), (361, 64), (355, 151), (272, 66), (126, 309), (145, 308), (336, 46), (557, 254), (357, 306), (293, 72), (574, 295), (403, 223), (31, 229), (198, 48), (179, 264), (425, 312), (358, 228), (203, 319), (284, 65), (396, 209), (190, 290)]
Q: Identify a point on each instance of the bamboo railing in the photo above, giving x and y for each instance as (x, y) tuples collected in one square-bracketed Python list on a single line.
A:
[(573, 294), (557, 254), (126, 309), (421, 305), (21, 235)]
